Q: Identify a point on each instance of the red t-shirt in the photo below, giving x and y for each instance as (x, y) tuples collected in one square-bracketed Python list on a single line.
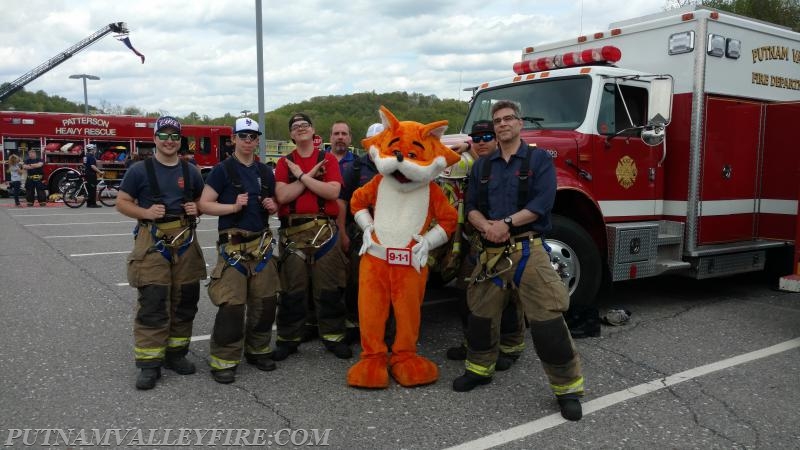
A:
[(307, 203)]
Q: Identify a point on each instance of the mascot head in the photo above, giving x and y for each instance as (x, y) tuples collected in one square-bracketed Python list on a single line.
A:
[(409, 154)]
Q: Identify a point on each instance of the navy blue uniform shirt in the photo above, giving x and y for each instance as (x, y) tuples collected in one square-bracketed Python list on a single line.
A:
[(170, 183), (253, 218), (504, 186)]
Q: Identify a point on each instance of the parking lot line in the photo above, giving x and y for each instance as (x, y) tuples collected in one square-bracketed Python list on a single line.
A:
[(547, 422)]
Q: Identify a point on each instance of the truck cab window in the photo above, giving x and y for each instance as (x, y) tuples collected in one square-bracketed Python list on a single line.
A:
[(613, 118)]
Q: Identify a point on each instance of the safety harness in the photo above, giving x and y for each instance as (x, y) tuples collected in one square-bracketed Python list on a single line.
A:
[(315, 248), (237, 247), (491, 256), (166, 242)]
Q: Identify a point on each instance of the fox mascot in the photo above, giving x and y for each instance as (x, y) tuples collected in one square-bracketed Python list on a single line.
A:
[(404, 215)]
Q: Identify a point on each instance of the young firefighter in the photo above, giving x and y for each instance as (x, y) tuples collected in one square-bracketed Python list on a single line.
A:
[(307, 184), (509, 202), (244, 283), (166, 264)]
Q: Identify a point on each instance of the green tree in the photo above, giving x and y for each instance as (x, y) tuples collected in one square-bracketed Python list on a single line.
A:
[(780, 12)]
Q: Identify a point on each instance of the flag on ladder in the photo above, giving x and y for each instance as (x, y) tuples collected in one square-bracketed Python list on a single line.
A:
[(125, 40)]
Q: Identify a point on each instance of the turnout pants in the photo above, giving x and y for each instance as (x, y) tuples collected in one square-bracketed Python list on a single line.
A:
[(167, 300), (322, 275), (544, 298), (34, 190), (246, 310)]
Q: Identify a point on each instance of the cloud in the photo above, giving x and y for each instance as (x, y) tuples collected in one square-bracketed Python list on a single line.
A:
[(201, 56)]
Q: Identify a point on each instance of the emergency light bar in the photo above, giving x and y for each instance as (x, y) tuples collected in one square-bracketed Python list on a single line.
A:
[(606, 54)]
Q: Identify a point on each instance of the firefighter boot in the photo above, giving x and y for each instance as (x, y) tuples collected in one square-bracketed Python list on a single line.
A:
[(457, 353), (505, 361), (340, 348), (262, 362), (469, 381), (147, 378), (283, 349), (570, 406), (224, 376), (178, 362)]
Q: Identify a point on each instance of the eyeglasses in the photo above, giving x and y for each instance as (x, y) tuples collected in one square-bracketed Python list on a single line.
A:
[(164, 136), (300, 126), (247, 136), (485, 138), (508, 118)]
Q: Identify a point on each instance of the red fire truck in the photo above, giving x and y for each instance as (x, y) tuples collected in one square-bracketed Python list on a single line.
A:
[(702, 181), (60, 137)]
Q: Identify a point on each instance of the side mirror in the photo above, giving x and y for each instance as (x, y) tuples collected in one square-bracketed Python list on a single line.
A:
[(653, 135), (659, 111)]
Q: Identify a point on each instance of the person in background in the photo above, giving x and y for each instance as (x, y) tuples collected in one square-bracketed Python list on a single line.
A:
[(15, 169), (244, 284), (512, 218), (34, 187), (166, 263), (356, 173), (307, 184), (91, 172)]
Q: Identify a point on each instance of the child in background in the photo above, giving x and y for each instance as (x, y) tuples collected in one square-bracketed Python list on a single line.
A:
[(15, 168)]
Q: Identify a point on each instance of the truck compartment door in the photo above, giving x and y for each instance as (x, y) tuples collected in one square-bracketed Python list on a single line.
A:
[(780, 174)]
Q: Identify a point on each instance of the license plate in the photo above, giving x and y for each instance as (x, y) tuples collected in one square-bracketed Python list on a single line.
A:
[(398, 256)]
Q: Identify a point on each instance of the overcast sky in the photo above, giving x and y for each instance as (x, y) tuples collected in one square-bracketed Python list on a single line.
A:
[(201, 54)]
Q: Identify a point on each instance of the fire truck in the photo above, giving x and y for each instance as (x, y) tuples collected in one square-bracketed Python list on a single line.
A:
[(671, 136), (59, 139)]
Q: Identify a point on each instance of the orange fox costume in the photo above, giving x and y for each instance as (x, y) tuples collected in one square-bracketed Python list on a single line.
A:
[(411, 217)]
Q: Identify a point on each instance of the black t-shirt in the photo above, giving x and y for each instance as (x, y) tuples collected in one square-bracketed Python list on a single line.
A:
[(253, 218), (170, 183)]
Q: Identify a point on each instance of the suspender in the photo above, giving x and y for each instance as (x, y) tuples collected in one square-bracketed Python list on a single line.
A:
[(236, 181), (485, 171), (155, 190), (292, 179)]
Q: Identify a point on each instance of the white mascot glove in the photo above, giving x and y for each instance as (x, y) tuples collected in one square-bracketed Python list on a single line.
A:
[(364, 220), (432, 239)]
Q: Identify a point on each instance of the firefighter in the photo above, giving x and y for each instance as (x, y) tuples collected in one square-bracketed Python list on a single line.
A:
[(91, 172), (356, 173), (307, 184), (244, 284), (511, 209), (483, 142), (34, 187), (166, 264)]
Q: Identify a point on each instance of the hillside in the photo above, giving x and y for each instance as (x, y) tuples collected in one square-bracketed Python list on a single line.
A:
[(359, 110)]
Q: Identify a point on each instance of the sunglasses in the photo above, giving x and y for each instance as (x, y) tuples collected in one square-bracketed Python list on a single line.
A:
[(485, 138), (300, 126), (246, 136), (164, 136)]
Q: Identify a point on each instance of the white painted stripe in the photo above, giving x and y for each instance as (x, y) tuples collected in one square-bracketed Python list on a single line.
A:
[(770, 206), (622, 208), (547, 422), (75, 223), (727, 207), (78, 255), (617, 208), (204, 337), (101, 235)]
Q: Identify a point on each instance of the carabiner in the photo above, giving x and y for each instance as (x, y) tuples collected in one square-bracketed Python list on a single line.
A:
[(180, 235), (316, 236)]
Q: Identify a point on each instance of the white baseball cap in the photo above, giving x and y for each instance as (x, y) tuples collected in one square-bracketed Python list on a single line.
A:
[(374, 129), (246, 124)]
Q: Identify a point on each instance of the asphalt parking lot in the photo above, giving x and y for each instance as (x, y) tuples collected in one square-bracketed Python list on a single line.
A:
[(702, 364)]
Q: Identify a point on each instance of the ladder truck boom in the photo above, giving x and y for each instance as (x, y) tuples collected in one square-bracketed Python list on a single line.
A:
[(11, 88)]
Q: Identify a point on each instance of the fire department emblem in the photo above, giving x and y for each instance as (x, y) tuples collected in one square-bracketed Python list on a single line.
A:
[(626, 171)]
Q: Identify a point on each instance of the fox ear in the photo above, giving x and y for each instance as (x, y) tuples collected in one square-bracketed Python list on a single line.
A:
[(435, 129), (388, 119)]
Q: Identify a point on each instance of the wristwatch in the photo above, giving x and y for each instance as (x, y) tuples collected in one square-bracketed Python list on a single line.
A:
[(508, 221)]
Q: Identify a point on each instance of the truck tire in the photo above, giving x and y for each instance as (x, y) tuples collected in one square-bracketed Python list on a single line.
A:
[(58, 181), (576, 258)]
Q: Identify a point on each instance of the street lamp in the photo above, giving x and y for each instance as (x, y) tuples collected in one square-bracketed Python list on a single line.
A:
[(245, 112), (85, 97)]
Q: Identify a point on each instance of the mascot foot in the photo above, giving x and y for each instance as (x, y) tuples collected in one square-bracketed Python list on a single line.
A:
[(415, 371), (369, 373)]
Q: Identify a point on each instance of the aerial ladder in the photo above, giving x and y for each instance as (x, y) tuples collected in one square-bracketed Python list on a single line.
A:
[(6, 90)]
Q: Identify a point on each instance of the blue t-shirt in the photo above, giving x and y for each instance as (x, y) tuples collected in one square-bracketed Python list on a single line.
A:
[(170, 183), (88, 161), (254, 217), (36, 171)]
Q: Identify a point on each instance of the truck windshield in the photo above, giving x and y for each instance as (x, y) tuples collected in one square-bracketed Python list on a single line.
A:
[(549, 104)]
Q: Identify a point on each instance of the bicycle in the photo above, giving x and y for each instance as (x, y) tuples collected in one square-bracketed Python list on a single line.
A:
[(76, 192)]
